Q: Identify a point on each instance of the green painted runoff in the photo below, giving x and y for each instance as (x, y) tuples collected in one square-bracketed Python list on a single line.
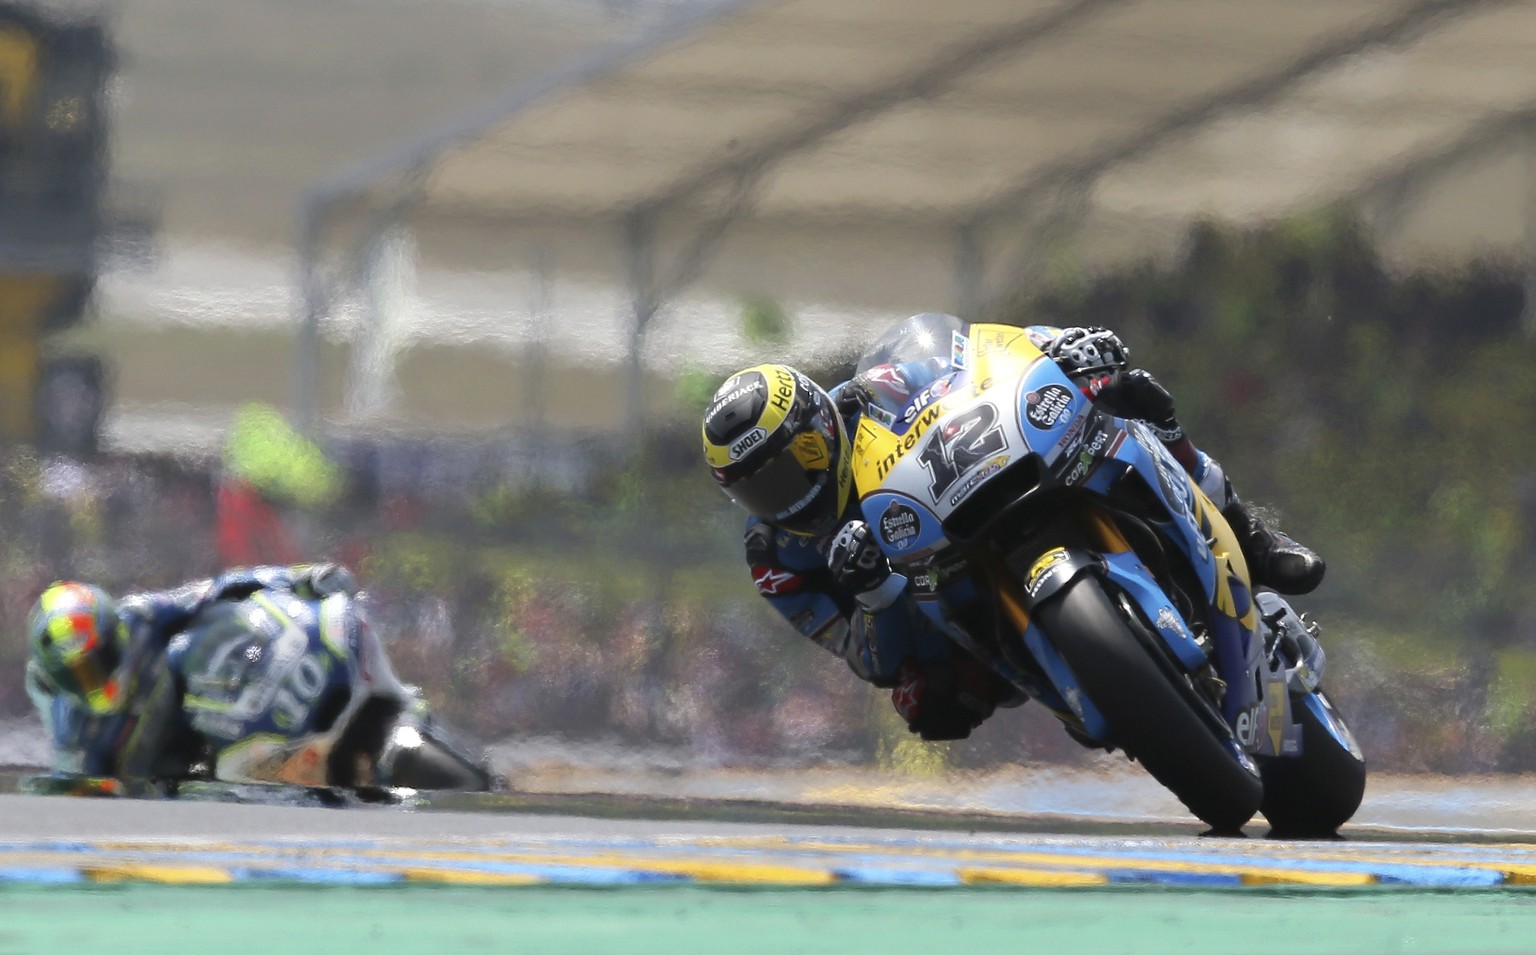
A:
[(294, 920)]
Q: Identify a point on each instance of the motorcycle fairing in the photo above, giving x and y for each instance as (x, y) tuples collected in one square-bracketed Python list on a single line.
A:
[(983, 432), (258, 693), (1205, 538), (268, 757), (1332, 722), (963, 439), (903, 524)]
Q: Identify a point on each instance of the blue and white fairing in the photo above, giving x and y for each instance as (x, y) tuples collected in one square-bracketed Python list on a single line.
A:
[(1014, 415), (270, 674)]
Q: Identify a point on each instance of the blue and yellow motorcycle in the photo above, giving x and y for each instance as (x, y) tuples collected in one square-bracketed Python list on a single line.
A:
[(1068, 550)]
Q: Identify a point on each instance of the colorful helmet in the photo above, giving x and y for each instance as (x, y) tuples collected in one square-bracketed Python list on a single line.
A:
[(776, 445), (77, 639)]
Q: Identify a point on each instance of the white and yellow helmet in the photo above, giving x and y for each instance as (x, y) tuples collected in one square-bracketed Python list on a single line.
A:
[(776, 445)]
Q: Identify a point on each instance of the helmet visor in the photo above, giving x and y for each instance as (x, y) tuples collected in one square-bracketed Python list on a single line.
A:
[(784, 494), (87, 675)]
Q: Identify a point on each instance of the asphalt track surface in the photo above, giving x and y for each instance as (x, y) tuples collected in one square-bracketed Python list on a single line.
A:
[(571, 875)]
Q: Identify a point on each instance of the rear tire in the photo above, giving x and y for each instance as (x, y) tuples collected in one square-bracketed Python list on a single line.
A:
[(1310, 796), (432, 766), (1149, 717)]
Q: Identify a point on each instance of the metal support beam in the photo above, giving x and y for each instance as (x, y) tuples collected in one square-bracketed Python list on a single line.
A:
[(970, 272), (536, 353), (1528, 310), (1019, 261), (319, 289), (648, 290), (639, 240), (316, 298)]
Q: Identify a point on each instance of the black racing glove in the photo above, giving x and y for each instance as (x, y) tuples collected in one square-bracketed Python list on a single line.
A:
[(859, 567), (946, 699), (318, 581), (1088, 351), (1136, 394)]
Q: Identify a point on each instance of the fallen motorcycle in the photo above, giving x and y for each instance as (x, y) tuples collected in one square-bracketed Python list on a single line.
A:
[(275, 689)]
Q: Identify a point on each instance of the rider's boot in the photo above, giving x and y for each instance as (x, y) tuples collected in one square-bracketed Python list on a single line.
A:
[(1275, 560)]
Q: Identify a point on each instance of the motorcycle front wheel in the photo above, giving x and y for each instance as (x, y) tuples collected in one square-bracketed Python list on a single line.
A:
[(1311, 795), (1150, 717)]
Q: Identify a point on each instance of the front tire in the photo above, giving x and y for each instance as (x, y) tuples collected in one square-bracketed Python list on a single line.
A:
[(1151, 718), (1311, 795)]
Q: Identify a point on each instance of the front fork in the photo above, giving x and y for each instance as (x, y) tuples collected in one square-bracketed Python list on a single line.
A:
[(1253, 685)]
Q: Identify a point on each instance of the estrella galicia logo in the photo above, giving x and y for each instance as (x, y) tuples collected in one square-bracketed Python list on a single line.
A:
[(899, 526), (1047, 406)]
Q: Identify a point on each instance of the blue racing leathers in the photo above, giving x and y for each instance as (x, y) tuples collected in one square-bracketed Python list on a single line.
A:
[(149, 736), (790, 571), (936, 686)]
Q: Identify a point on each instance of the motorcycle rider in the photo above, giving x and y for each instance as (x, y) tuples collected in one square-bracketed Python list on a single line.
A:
[(778, 445), (97, 668)]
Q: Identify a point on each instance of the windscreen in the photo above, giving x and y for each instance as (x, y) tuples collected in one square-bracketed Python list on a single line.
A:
[(929, 335)]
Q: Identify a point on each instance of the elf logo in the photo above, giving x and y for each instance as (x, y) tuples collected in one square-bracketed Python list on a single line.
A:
[(1247, 729)]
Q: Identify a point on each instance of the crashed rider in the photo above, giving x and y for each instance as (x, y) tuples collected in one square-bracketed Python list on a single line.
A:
[(778, 445), (98, 673)]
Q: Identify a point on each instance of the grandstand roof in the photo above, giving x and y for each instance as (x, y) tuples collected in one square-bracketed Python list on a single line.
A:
[(965, 111), (910, 154)]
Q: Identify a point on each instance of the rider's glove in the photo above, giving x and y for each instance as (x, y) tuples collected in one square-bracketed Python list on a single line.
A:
[(319, 581), (858, 566), (1083, 352), (945, 699), (1136, 394)]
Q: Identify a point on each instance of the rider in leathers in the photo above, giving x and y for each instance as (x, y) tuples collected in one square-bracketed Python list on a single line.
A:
[(97, 667), (778, 445)]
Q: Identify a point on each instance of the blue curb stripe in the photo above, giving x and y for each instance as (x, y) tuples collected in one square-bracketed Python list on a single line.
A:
[(1439, 877), (870, 875), (46, 876), (1162, 877), (317, 876)]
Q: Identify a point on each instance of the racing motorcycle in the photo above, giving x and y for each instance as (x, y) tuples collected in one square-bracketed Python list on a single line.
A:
[(277, 691), (1068, 550)]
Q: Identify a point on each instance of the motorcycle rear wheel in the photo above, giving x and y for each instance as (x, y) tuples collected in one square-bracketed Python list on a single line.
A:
[(1310, 796), (1150, 718), (432, 765)]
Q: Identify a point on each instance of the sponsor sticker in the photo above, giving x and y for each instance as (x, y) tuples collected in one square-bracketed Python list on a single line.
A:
[(1044, 568), (810, 449), (737, 390), (1247, 728), (985, 471), (908, 441), (924, 398), (1047, 405), (1169, 621), (899, 526), (1042, 335), (744, 444)]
